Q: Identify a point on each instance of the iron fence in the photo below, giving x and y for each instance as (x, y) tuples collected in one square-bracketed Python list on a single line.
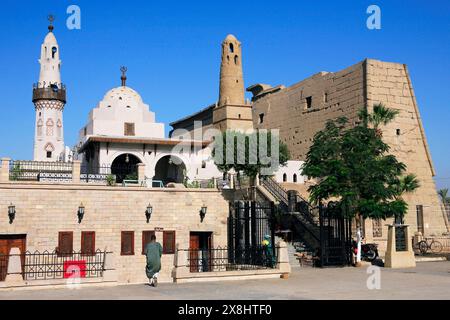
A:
[(96, 174), (54, 265), (20, 170), (231, 259)]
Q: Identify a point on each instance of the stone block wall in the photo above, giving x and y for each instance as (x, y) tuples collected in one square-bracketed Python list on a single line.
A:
[(344, 93), (43, 210)]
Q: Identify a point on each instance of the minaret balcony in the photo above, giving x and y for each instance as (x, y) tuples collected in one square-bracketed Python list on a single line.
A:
[(49, 92)]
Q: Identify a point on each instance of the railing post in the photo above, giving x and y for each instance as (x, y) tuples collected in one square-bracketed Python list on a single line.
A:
[(4, 170), (181, 264), (110, 273), (283, 260), (76, 171), (141, 172), (14, 273), (231, 181)]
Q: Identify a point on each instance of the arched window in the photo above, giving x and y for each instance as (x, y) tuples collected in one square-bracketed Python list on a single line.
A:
[(231, 48), (39, 127), (236, 60), (284, 177), (54, 49), (294, 177), (59, 128), (49, 125), (49, 148)]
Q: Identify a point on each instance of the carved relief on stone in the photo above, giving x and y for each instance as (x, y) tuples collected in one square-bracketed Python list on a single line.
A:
[(49, 125)]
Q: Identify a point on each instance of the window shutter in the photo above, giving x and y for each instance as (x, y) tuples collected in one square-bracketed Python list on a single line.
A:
[(129, 129), (88, 242), (127, 243), (377, 228), (146, 236), (65, 242), (169, 242)]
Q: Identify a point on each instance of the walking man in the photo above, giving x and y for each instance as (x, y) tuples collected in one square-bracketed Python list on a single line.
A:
[(153, 252)]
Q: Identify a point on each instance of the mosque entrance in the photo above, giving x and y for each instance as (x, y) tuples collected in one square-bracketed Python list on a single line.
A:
[(124, 167), (170, 169)]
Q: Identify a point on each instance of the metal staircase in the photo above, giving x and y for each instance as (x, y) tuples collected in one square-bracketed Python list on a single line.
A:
[(304, 220)]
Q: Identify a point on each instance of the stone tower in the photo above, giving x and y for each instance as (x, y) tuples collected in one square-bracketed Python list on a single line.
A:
[(232, 111), (49, 98)]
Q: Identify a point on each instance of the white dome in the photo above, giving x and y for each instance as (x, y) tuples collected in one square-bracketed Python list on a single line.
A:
[(124, 94)]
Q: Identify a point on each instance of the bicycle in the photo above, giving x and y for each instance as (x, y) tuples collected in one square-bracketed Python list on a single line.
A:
[(433, 245)]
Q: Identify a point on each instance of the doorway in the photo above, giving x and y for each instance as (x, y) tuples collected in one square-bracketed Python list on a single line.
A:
[(7, 242), (200, 245)]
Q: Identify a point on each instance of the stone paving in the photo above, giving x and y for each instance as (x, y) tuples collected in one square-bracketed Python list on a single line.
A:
[(429, 280)]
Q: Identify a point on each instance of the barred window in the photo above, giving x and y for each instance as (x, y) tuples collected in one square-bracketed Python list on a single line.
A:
[(88, 242), (146, 236), (169, 242), (377, 228), (127, 243), (129, 129)]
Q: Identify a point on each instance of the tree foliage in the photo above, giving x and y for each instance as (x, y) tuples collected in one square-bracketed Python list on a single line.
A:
[(250, 153), (353, 165)]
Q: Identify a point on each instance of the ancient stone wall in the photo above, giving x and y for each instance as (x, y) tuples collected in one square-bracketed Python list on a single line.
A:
[(299, 111)]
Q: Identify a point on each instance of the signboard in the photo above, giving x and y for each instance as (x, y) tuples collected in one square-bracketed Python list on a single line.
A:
[(400, 238), (74, 269)]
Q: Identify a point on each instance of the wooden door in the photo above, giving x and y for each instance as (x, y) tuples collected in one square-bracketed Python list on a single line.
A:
[(194, 245), (7, 242)]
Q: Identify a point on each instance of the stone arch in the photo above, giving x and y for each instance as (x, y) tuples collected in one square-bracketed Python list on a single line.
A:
[(170, 168), (124, 167)]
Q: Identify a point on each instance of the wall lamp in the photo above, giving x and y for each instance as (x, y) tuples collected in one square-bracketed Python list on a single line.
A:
[(148, 212), (203, 212), (11, 213), (80, 213)]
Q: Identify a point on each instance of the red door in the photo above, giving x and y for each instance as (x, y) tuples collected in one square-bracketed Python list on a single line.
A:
[(7, 242), (194, 246)]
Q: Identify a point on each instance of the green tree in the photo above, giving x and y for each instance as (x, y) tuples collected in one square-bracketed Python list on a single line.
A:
[(243, 153), (354, 166)]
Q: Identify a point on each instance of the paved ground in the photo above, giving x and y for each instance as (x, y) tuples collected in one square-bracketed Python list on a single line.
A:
[(429, 280)]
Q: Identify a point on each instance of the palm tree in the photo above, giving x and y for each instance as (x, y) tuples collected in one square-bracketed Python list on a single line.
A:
[(444, 198), (405, 184), (380, 115)]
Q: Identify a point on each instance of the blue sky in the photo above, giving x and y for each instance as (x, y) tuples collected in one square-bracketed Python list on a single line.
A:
[(172, 51)]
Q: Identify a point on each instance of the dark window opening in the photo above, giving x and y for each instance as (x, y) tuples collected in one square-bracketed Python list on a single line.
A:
[(420, 226), (325, 97), (294, 178), (127, 243), (168, 242), (398, 132), (236, 59), (239, 115), (261, 117), (54, 49), (284, 177), (308, 102), (49, 154), (231, 48)]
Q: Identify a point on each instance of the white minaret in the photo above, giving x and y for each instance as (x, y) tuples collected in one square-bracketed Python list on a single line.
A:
[(49, 98)]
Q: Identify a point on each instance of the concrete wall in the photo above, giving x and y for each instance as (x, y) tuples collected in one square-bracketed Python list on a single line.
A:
[(42, 210)]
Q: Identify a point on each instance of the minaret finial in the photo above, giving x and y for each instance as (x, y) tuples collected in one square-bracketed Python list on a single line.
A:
[(123, 77), (50, 18)]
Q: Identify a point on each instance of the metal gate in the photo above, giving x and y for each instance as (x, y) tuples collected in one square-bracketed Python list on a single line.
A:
[(248, 223), (335, 238)]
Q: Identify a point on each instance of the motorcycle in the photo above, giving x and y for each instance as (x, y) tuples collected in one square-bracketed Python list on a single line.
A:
[(369, 251)]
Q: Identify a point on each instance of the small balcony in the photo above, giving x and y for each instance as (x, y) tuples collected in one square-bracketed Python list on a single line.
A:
[(49, 92)]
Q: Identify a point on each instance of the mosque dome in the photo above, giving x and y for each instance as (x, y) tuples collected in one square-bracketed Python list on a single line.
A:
[(123, 93)]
